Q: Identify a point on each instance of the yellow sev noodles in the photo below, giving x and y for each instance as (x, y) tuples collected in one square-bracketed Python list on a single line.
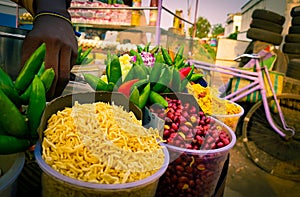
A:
[(101, 143), (210, 103)]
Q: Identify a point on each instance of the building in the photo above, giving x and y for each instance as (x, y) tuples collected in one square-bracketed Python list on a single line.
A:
[(233, 24)]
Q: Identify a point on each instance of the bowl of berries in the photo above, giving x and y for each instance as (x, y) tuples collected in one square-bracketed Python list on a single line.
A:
[(198, 146)]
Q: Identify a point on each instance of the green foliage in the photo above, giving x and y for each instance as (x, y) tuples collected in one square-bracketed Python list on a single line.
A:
[(202, 28), (233, 36), (210, 50), (201, 53), (217, 30)]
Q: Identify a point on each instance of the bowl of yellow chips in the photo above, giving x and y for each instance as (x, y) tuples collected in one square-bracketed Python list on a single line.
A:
[(98, 148)]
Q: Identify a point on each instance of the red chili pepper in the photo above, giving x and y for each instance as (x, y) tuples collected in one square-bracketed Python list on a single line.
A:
[(184, 72), (125, 87)]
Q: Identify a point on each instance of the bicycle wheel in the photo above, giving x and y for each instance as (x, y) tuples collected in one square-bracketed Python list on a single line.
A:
[(265, 147)]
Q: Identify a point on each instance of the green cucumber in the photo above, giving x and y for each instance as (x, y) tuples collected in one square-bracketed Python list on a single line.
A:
[(36, 106), (7, 86), (156, 98), (11, 119), (30, 69), (144, 95), (166, 56), (47, 78), (134, 96), (11, 145)]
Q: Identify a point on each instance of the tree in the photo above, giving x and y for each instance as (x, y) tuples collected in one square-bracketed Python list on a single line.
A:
[(217, 30), (202, 28)]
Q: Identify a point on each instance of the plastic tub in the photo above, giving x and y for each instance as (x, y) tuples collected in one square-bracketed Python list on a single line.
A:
[(11, 166), (56, 184), (231, 120), (194, 172)]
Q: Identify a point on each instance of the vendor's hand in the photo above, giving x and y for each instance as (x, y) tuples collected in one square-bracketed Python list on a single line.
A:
[(61, 48)]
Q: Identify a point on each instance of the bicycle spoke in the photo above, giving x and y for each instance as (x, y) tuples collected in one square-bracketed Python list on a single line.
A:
[(266, 148)]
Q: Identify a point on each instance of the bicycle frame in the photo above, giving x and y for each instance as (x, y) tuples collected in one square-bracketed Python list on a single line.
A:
[(257, 84)]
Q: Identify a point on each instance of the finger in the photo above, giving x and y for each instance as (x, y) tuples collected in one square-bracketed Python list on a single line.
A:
[(73, 57), (64, 70), (52, 61), (30, 44)]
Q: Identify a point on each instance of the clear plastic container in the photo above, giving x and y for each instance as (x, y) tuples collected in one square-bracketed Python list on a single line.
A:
[(11, 166), (231, 120), (56, 184), (194, 172)]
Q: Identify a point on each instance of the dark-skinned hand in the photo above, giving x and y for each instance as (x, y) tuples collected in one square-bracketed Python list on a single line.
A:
[(61, 43)]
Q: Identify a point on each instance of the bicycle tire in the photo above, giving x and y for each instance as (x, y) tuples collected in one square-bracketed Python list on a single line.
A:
[(265, 147), (266, 25)]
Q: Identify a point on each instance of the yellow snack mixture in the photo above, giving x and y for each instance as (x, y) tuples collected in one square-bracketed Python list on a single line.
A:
[(211, 104), (101, 143)]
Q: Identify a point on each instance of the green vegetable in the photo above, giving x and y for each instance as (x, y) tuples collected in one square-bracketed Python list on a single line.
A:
[(25, 95), (102, 85), (196, 76), (42, 69), (185, 81), (130, 75), (115, 72), (79, 53), (11, 144), (91, 79), (108, 64), (31, 68), (140, 85), (154, 50), (136, 72), (159, 58), (87, 61), (47, 78), (139, 60), (144, 95), (179, 64), (179, 55), (11, 119), (36, 106), (110, 87), (146, 48), (164, 80), (156, 98), (175, 84), (139, 48), (191, 72), (8, 88), (95, 82), (166, 56), (84, 55), (134, 96), (155, 72), (133, 52), (140, 71)]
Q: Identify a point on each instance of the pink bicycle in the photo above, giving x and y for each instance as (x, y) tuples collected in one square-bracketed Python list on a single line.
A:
[(271, 137)]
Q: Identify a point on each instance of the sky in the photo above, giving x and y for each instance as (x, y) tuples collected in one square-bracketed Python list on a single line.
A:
[(215, 11)]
